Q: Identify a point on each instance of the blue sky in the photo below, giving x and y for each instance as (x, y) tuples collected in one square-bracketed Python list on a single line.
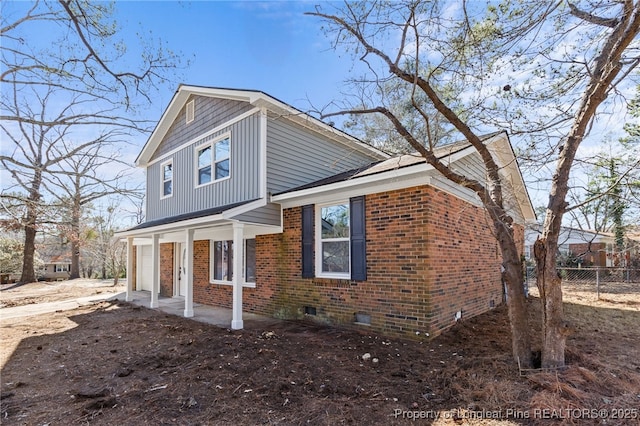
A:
[(269, 46)]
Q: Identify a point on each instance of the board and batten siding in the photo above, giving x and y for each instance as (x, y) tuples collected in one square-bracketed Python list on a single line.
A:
[(297, 156), (209, 113), (242, 185)]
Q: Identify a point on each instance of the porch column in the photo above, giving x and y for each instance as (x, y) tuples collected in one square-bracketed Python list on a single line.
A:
[(155, 270), (188, 266), (238, 276), (129, 292)]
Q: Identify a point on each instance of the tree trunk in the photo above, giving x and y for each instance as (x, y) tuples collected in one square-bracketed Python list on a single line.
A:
[(75, 230), (75, 259), (516, 300), (28, 269), (28, 266), (554, 328)]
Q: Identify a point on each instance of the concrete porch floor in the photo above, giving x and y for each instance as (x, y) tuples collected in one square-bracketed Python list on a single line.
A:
[(217, 316)]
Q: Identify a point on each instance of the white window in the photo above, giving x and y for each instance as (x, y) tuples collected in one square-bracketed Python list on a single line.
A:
[(61, 267), (332, 239), (191, 111), (250, 260), (222, 262), (167, 179), (213, 161)]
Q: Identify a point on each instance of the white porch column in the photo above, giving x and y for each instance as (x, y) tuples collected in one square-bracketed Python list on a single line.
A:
[(238, 276), (129, 293), (155, 271), (188, 275)]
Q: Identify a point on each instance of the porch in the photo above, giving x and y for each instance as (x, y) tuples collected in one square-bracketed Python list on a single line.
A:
[(214, 315)]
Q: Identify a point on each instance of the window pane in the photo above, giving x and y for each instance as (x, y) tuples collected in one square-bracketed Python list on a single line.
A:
[(167, 171), (222, 169), (250, 261), (335, 221), (204, 157), (217, 260), (222, 149), (335, 256), (204, 175), (167, 187), (222, 260)]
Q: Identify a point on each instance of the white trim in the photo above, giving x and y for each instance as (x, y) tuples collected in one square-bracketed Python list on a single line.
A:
[(372, 184), (238, 253), (255, 98), (203, 136), (190, 111), (155, 271), (188, 297), (318, 241), (177, 254), (162, 180), (230, 283), (246, 283), (262, 146), (199, 222), (417, 175), (212, 265), (211, 144)]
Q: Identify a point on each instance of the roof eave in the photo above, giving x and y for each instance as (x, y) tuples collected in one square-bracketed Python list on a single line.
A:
[(255, 98)]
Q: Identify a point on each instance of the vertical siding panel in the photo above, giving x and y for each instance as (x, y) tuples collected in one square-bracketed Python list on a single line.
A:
[(243, 185), (296, 156), (209, 113)]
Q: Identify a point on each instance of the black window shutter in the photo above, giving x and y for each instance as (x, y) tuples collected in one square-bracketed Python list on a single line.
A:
[(307, 241), (358, 239)]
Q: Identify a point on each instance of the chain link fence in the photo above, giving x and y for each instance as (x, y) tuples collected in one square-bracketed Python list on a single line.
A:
[(599, 281)]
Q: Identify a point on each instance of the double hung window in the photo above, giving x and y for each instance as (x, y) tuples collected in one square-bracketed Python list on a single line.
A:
[(333, 230), (213, 161), (167, 179), (222, 261)]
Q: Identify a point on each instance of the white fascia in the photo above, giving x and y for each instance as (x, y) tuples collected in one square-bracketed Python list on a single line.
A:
[(404, 177), (372, 184)]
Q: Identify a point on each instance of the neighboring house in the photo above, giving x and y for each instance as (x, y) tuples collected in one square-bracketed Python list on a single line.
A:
[(586, 248), (256, 206), (55, 268)]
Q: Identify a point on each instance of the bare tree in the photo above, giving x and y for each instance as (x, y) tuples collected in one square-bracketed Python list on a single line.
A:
[(103, 250), (83, 78), (79, 181), (83, 54), (429, 46), (35, 138)]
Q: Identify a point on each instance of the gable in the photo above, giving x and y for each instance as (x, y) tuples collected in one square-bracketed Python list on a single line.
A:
[(209, 114), (236, 101)]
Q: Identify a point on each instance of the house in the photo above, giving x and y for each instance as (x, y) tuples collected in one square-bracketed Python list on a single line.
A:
[(256, 206), (56, 267), (586, 248)]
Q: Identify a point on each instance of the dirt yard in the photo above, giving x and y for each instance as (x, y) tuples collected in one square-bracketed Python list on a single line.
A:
[(113, 363)]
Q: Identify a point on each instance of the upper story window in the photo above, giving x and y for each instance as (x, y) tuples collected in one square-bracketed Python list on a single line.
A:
[(167, 179), (191, 111), (333, 240), (213, 161)]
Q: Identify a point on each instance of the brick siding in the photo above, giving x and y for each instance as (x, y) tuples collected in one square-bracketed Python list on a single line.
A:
[(166, 269), (430, 255)]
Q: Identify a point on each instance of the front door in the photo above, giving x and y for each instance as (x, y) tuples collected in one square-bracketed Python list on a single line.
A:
[(181, 261)]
